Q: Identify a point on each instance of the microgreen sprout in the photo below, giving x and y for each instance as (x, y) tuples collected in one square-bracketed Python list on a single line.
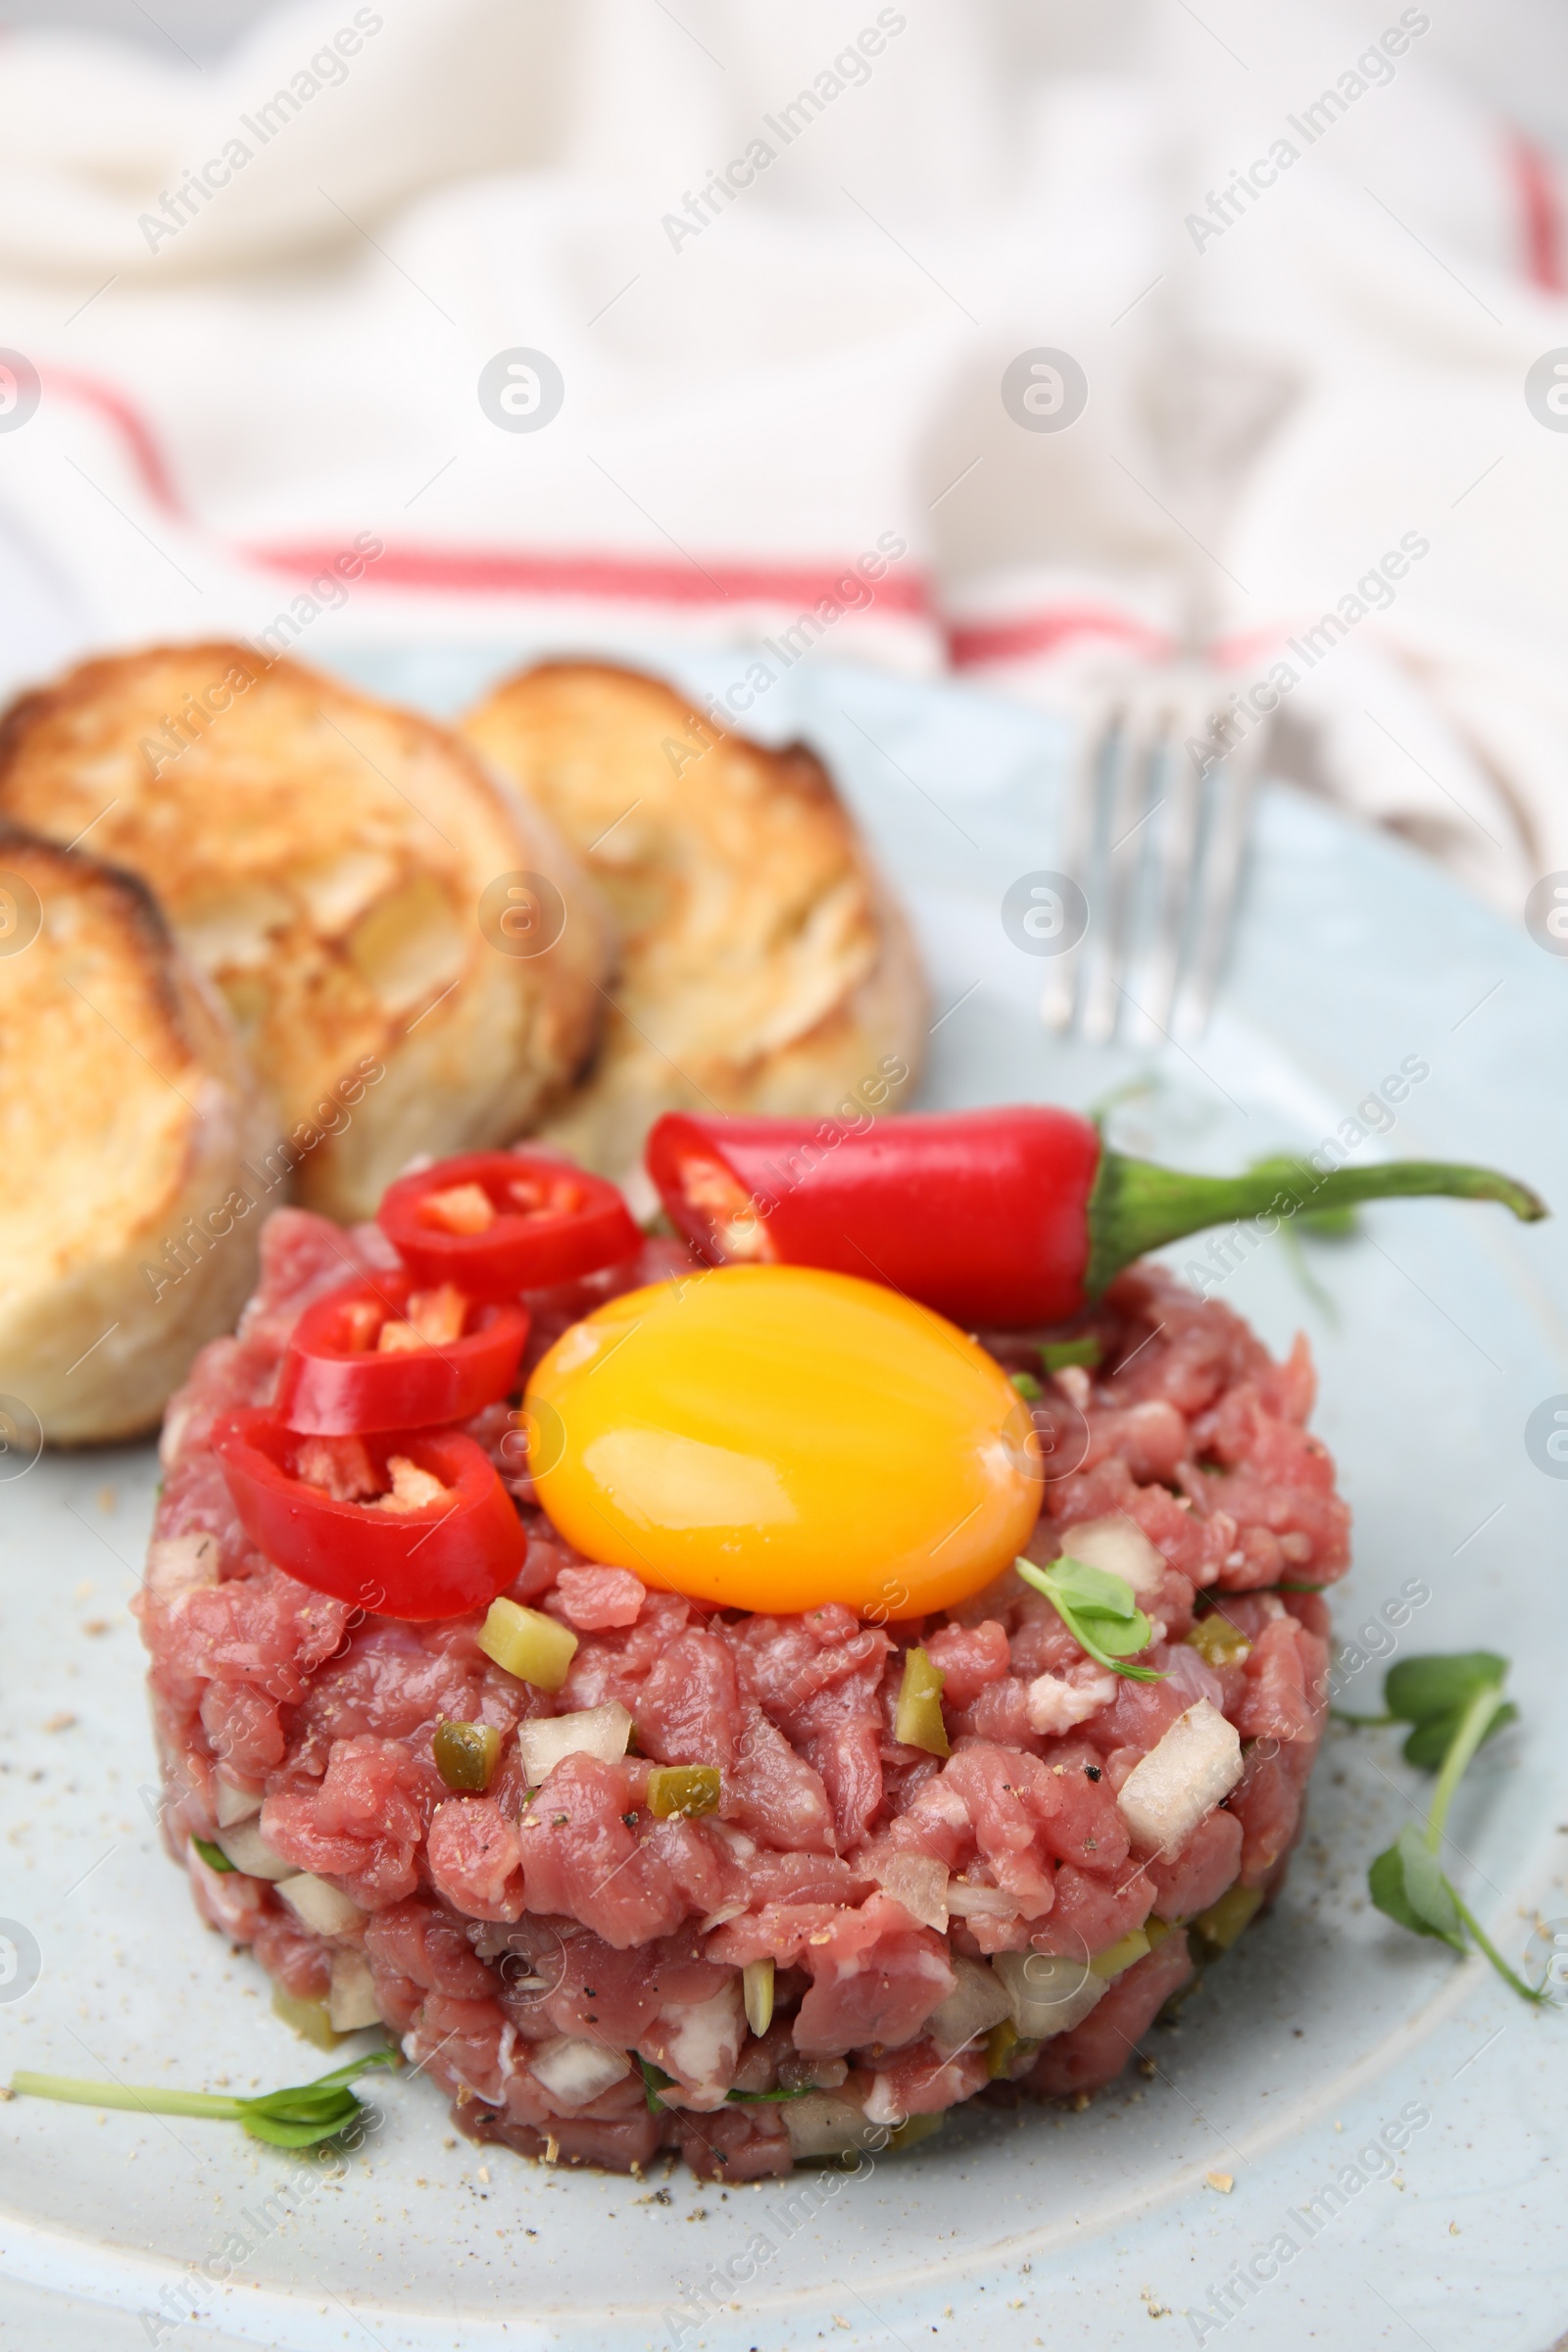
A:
[(297, 2118), (654, 2081), (1452, 1704), (1099, 1610)]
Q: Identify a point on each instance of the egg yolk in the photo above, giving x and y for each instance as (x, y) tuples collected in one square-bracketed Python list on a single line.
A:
[(771, 1437)]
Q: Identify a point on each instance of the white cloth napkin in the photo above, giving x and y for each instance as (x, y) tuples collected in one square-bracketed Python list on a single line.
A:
[(781, 261)]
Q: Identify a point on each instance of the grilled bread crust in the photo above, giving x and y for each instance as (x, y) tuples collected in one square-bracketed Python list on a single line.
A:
[(132, 1137), (325, 861), (764, 967)]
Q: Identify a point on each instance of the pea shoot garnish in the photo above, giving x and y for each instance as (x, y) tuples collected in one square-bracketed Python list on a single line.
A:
[(1452, 1704), (298, 2117), (654, 2081), (1099, 1610)]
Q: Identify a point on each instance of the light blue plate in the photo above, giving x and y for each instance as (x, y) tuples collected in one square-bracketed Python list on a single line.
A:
[(1438, 1331)]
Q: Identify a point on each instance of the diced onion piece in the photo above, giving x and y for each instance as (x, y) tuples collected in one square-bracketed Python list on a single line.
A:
[(825, 2125), (757, 1987), (1120, 1956), (980, 1902), (1181, 1780), (1118, 1546), (1236, 1909), (977, 2002), (466, 1755), (321, 1906), (311, 2019), (690, 1789), (1049, 1994), (351, 2003), (528, 1644), (250, 1853), (573, 2072), (601, 1732), (235, 1805), (920, 1881), (702, 2043), (461, 1208), (917, 1720)]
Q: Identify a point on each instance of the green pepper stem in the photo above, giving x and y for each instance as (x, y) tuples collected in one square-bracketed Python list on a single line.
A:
[(1473, 1726), (78, 2093), (1137, 1207)]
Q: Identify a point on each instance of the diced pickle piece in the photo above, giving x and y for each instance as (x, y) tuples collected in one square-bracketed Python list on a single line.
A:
[(1056, 1354), (528, 1644), (1001, 2044), (313, 2019), (1120, 1956), (1221, 1923), (1217, 1642), (686, 1788), (466, 1755), (1007, 2052), (918, 1719), (912, 2132)]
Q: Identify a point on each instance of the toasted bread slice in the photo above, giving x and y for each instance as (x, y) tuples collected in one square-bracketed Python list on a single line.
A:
[(128, 1215), (324, 861), (764, 965)]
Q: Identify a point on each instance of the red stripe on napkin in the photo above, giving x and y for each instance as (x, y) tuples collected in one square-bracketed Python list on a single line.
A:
[(1535, 179), (971, 642)]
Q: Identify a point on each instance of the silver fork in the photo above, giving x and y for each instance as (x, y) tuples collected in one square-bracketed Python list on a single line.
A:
[(1154, 840)]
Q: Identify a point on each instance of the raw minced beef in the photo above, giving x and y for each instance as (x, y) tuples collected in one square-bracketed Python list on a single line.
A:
[(530, 1953)]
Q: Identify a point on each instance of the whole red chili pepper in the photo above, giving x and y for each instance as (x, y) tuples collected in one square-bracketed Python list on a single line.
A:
[(1005, 1217)]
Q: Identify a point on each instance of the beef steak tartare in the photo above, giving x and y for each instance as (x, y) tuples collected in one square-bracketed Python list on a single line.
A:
[(864, 1931)]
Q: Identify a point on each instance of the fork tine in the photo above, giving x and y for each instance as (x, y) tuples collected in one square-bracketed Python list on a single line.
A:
[(1174, 854), (1128, 798), (1217, 882), (1058, 1001)]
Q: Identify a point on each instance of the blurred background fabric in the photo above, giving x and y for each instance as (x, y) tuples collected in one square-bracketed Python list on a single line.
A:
[(270, 267)]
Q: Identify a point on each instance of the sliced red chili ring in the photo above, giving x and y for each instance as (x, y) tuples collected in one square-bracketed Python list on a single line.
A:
[(450, 1541), (382, 1354), (496, 1223)]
